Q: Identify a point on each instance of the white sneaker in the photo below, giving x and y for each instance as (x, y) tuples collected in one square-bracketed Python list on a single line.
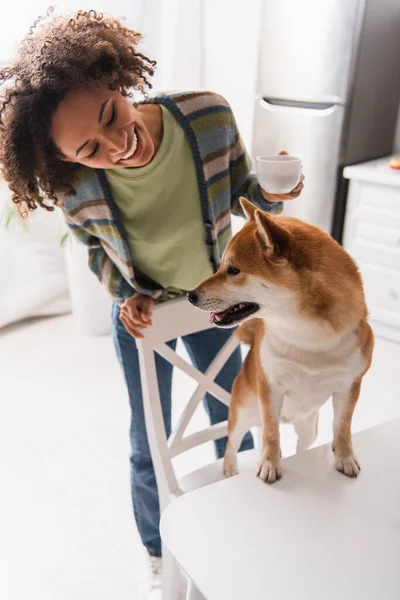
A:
[(154, 586)]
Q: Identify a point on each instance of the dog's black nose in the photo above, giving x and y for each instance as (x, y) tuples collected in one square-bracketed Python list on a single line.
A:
[(192, 297)]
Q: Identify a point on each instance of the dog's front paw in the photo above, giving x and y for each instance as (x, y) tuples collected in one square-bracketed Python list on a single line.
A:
[(230, 466), (269, 470), (348, 465)]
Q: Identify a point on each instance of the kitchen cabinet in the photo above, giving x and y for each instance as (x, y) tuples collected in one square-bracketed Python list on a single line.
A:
[(372, 237)]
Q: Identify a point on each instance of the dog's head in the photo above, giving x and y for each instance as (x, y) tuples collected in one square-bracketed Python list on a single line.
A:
[(280, 268), (258, 274)]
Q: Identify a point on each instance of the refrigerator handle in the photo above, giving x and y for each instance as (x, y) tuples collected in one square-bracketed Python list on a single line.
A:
[(320, 106)]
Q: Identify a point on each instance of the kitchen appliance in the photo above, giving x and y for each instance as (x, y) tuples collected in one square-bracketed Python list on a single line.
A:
[(328, 91)]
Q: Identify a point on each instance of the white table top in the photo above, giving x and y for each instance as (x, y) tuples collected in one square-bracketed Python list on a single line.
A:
[(314, 535), (374, 171)]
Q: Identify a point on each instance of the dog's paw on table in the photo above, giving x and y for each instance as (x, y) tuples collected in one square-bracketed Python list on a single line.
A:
[(269, 471), (230, 466), (348, 465)]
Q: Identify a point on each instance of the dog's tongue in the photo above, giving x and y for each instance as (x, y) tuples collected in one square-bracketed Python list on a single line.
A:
[(221, 315)]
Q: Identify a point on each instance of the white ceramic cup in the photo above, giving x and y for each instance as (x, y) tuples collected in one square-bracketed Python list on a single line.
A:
[(278, 174)]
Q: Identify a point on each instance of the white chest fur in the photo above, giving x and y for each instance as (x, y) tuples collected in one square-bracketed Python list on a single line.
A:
[(307, 366)]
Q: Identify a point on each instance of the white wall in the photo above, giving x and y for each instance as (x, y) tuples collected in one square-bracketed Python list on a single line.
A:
[(232, 33), (213, 45)]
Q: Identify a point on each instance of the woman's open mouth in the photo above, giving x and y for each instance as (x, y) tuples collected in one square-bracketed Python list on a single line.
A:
[(134, 149), (234, 314)]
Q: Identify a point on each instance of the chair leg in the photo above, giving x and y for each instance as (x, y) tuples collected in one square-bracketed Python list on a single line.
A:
[(174, 580), (166, 480), (193, 593)]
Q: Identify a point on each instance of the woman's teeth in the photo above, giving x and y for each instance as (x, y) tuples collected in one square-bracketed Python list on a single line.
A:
[(132, 149)]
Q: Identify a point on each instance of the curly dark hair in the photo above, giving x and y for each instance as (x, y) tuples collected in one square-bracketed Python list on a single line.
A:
[(57, 55)]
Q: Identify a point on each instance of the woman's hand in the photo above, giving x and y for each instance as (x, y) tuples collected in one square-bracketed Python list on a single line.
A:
[(280, 197), (136, 313)]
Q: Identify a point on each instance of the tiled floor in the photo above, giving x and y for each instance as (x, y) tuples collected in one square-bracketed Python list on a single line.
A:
[(66, 526)]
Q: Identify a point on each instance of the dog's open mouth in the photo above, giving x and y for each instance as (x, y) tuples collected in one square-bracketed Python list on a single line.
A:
[(234, 314)]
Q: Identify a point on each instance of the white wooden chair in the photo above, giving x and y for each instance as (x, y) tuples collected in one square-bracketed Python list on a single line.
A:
[(172, 320)]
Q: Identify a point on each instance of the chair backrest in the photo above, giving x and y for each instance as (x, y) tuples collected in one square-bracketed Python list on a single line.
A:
[(171, 320)]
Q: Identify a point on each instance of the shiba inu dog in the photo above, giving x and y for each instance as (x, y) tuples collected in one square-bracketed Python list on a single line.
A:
[(300, 297)]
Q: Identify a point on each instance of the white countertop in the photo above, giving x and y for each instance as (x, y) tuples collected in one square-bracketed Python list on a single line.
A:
[(314, 534), (374, 171)]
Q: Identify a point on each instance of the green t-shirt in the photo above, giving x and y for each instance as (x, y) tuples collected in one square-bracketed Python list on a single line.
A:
[(160, 209)]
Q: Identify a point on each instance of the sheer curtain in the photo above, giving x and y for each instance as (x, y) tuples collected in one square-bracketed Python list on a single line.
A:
[(211, 44)]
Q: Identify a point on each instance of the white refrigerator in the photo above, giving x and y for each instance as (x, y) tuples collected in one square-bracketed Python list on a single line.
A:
[(328, 91)]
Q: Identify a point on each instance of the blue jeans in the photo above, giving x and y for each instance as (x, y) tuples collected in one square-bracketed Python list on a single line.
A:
[(202, 347)]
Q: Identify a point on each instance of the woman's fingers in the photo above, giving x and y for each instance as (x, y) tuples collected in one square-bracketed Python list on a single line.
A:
[(136, 314), (145, 308), (131, 326)]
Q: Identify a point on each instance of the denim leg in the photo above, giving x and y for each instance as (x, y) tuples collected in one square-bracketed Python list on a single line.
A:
[(143, 481), (202, 348)]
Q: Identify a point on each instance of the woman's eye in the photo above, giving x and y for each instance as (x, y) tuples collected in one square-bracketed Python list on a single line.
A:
[(94, 151), (113, 117), (233, 271)]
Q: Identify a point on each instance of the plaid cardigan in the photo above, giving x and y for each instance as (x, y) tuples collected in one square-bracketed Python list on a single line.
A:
[(223, 174)]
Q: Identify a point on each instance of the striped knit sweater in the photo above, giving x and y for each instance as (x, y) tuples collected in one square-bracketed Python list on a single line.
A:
[(223, 173)]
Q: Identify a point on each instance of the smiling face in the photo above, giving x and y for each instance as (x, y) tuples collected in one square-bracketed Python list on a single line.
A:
[(100, 128)]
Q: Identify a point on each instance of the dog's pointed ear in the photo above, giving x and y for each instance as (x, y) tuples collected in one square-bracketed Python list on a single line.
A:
[(275, 238), (248, 208)]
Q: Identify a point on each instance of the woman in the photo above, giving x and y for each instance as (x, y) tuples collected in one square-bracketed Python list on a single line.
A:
[(149, 188)]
